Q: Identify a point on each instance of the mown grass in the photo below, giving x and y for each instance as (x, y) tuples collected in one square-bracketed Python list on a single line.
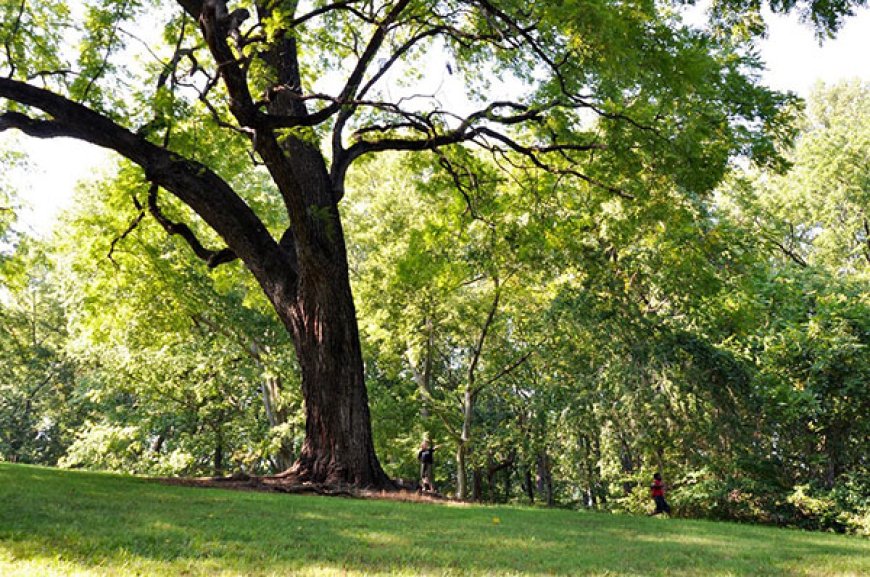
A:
[(55, 522)]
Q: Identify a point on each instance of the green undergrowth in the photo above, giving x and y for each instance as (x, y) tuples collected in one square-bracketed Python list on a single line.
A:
[(70, 523)]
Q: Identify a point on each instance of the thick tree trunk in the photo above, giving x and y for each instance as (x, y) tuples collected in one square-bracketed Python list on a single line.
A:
[(315, 302), (338, 445), (316, 305)]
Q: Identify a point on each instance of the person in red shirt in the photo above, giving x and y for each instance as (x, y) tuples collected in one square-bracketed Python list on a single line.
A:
[(658, 494)]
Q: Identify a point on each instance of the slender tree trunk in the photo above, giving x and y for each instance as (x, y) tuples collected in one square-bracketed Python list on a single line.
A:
[(529, 485), (598, 487), (270, 390), (461, 479), (462, 446), (477, 485), (585, 468), (625, 458), (492, 470), (276, 416), (218, 457), (833, 449), (423, 376), (545, 478), (470, 395)]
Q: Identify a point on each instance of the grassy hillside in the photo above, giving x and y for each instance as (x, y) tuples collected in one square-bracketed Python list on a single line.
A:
[(70, 523)]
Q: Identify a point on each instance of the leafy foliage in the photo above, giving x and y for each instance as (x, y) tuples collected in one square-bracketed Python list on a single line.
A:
[(548, 285)]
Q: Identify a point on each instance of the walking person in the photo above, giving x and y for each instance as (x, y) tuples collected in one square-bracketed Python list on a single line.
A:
[(658, 494), (426, 456)]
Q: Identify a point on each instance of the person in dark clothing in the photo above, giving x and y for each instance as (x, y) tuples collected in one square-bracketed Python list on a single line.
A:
[(658, 494), (426, 456)]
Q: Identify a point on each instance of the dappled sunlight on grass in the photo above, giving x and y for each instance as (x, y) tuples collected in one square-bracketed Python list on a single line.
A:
[(377, 538)]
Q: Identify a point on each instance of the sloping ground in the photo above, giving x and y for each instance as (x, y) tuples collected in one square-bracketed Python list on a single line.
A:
[(68, 523)]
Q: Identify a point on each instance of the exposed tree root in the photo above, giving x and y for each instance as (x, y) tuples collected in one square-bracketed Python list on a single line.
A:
[(288, 483)]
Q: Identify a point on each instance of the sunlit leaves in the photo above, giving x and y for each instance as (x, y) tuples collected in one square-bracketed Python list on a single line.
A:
[(38, 406), (30, 35), (174, 356), (743, 19), (817, 212), (832, 175), (10, 163)]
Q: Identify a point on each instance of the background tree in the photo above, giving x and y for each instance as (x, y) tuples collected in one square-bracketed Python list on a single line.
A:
[(38, 407), (817, 212), (38, 410), (442, 294), (185, 368), (799, 311)]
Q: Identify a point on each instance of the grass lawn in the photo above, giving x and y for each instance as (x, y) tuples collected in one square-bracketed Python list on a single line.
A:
[(70, 523)]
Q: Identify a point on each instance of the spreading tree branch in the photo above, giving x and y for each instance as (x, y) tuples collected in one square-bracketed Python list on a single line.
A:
[(212, 258), (355, 78), (133, 225), (193, 183), (10, 36), (477, 351), (506, 370)]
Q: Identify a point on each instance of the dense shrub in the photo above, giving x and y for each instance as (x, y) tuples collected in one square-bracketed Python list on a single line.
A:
[(737, 497)]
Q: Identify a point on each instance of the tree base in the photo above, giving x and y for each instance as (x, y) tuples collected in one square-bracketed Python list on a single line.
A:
[(286, 482), (367, 476)]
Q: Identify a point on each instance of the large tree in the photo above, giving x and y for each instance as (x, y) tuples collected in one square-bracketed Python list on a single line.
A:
[(613, 96)]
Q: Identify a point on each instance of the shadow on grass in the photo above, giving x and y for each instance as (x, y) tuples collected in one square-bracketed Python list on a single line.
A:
[(122, 525)]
